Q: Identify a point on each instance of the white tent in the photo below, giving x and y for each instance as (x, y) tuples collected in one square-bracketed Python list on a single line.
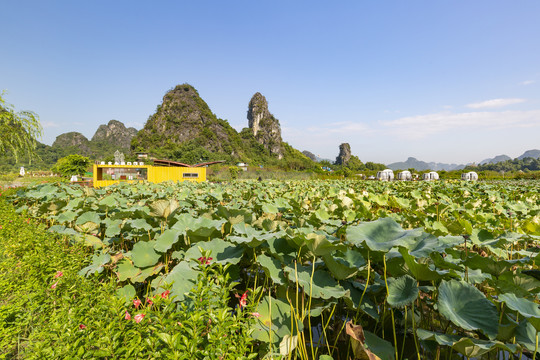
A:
[(404, 175), (385, 175), (432, 175), (470, 176)]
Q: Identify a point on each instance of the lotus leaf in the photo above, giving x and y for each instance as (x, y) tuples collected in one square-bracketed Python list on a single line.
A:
[(322, 286), (402, 291), (382, 235), (467, 307), (274, 322), (222, 251), (126, 293), (344, 264), (181, 279), (524, 307), (125, 270), (420, 271), (166, 240), (144, 255), (98, 261), (272, 268)]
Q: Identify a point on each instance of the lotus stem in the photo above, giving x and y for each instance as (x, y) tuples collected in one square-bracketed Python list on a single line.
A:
[(535, 346), (414, 332), (309, 308), (404, 335), (391, 310)]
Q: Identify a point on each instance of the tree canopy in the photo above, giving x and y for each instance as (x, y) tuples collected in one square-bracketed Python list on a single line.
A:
[(18, 130)]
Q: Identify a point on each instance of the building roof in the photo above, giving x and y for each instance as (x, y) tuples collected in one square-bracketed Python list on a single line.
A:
[(179, 164)]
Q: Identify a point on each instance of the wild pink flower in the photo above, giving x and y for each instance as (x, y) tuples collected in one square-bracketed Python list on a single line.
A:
[(243, 299), (53, 286), (82, 326), (139, 317), (165, 294), (136, 302), (205, 260), (58, 274), (127, 317), (149, 302), (255, 314)]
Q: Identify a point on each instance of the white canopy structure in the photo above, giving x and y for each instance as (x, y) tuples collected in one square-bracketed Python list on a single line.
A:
[(470, 176), (404, 175), (432, 175), (385, 175)]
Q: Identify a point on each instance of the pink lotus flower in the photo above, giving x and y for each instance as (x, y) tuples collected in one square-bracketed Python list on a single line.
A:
[(139, 317), (165, 294), (82, 326), (136, 302), (127, 317), (58, 274), (53, 286)]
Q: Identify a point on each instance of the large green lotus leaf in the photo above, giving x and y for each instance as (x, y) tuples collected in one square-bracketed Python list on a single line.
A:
[(125, 270), (492, 266), (402, 291), (469, 347), (143, 274), (181, 279), (98, 261), (112, 227), (61, 229), (319, 244), (367, 306), (344, 264), (166, 240), (89, 240), (250, 235), (220, 250), (467, 307), (522, 280), (139, 224), (382, 235), (275, 318), (280, 248), (144, 255), (473, 276), (268, 208), (109, 201), (524, 307), (272, 269), (88, 217), (323, 286), (526, 335), (420, 271), (66, 217), (380, 347), (198, 229), (126, 293)]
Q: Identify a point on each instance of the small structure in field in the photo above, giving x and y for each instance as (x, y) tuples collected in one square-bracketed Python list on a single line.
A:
[(404, 175), (385, 175), (469, 176), (242, 166), (432, 175)]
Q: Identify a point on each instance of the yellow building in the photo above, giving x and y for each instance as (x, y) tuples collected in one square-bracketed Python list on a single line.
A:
[(162, 170)]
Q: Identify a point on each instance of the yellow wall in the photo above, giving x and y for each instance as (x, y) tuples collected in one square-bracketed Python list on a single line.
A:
[(156, 174)]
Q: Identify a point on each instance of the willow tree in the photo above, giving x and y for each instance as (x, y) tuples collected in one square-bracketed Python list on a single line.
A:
[(18, 131)]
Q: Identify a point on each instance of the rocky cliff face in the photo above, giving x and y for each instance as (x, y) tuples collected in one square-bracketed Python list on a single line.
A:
[(264, 126), (73, 139), (344, 154), (310, 155), (115, 132), (184, 117)]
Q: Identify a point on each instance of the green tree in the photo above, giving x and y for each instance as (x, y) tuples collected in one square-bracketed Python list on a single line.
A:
[(233, 171), (18, 131), (72, 165)]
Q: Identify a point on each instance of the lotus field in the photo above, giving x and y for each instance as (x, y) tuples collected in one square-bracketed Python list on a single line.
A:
[(328, 269)]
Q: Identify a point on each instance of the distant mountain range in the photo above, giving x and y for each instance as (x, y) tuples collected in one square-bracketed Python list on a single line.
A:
[(422, 165)]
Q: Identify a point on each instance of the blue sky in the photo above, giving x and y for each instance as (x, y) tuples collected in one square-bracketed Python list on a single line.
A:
[(445, 81)]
